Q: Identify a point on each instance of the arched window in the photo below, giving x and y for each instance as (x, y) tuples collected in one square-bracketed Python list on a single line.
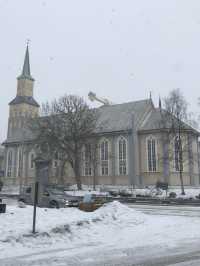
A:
[(31, 160), (104, 157), (9, 163), (122, 156), (177, 153), (87, 159), (56, 160), (151, 151), (20, 163)]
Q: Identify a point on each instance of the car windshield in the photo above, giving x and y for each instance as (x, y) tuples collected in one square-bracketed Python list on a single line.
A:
[(57, 192)]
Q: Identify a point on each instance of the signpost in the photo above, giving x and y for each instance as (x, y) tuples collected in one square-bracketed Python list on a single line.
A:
[(42, 174), (34, 206)]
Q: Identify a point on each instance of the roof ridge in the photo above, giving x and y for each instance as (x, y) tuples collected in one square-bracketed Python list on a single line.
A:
[(117, 104)]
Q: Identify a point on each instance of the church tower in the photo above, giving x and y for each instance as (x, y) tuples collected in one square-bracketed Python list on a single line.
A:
[(23, 106)]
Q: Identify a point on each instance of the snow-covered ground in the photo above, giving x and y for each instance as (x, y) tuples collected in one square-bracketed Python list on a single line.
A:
[(112, 227), (190, 192)]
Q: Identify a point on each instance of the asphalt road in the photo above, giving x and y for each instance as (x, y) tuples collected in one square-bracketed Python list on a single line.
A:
[(179, 210), (98, 256)]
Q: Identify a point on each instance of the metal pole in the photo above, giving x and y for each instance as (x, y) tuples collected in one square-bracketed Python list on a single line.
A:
[(35, 205)]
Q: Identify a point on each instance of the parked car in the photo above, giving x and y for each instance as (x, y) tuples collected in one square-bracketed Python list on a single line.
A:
[(49, 197)]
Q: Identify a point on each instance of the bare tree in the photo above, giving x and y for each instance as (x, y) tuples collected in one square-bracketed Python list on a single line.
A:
[(95, 160), (173, 118), (91, 159), (65, 127)]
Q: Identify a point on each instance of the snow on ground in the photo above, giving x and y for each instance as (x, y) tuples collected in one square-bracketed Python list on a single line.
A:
[(103, 190), (12, 190), (190, 192), (112, 226), (69, 225)]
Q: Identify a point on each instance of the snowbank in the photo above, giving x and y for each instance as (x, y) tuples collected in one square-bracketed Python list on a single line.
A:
[(111, 226), (16, 224)]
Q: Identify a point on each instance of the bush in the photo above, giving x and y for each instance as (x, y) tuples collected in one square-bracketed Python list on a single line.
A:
[(172, 195), (198, 196), (125, 193), (113, 193)]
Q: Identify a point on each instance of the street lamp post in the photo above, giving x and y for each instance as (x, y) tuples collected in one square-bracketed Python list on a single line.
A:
[(42, 174)]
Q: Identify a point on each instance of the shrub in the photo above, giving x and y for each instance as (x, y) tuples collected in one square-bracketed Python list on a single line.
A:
[(172, 195)]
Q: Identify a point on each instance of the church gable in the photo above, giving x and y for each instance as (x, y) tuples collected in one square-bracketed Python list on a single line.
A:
[(154, 121), (119, 117)]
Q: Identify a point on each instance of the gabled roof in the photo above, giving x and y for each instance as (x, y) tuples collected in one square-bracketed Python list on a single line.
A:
[(112, 118), (24, 99), (119, 117), (159, 118)]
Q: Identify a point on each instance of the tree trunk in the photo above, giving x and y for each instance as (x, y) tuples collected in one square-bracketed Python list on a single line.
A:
[(77, 172), (62, 172), (94, 179), (182, 186), (181, 161), (181, 171)]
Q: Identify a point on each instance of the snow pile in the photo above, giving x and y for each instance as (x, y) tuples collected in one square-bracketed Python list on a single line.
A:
[(112, 226), (121, 213), (16, 224), (10, 189)]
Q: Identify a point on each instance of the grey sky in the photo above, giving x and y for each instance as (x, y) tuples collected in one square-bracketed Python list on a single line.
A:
[(119, 49)]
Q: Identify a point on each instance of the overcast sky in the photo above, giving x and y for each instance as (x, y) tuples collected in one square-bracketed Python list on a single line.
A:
[(120, 49)]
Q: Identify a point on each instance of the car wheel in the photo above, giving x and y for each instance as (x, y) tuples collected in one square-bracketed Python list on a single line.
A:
[(54, 204)]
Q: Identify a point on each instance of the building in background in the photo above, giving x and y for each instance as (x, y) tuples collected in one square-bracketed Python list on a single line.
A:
[(132, 150)]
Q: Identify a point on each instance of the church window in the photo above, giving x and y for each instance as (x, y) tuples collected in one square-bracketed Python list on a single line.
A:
[(87, 158), (9, 163), (20, 163), (31, 160), (151, 149), (55, 160), (122, 153), (104, 157)]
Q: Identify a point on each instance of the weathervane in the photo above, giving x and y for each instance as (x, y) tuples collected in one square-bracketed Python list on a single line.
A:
[(27, 41)]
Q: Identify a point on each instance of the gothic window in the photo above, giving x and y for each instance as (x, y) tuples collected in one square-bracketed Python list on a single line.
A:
[(151, 149), (55, 160), (87, 159), (20, 163), (177, 153), (104, 157), (9, 163), (122, 153), (31, 160)]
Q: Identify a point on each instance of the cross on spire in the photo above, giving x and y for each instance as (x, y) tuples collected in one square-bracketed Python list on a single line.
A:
[(26, 72)]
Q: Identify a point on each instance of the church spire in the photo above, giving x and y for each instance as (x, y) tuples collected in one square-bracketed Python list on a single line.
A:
[(26, 72), (25, 81)]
